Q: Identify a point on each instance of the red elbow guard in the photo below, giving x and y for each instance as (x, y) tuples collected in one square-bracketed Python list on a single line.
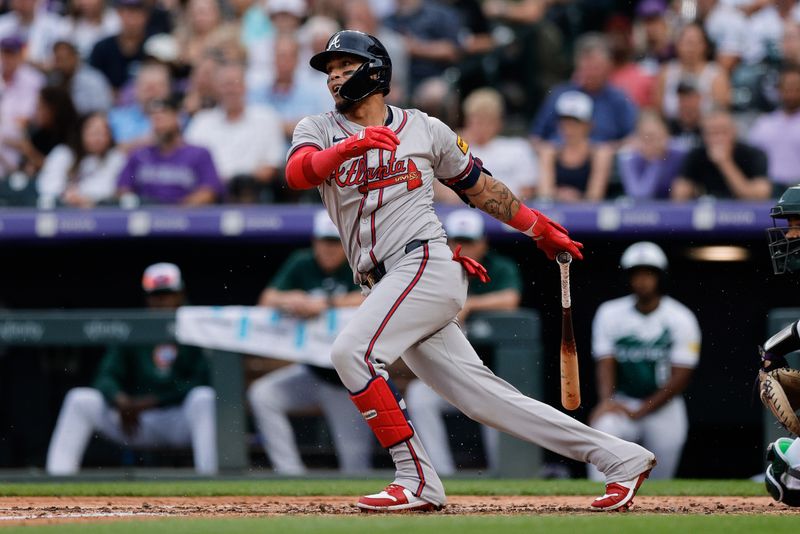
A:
[(381, 409)]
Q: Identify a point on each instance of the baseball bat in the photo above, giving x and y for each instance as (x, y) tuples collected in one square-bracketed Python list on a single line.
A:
[(570, 381)]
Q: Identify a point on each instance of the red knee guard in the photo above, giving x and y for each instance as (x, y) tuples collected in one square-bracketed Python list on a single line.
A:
[(381, 409)]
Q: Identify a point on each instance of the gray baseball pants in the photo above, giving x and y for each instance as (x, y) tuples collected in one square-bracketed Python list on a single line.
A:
[(411, 313)]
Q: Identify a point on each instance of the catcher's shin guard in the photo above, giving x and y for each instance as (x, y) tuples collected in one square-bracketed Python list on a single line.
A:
[(782, 482), (379, 403)]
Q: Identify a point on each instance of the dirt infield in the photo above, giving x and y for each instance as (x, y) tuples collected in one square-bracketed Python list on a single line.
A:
[(39, 510)]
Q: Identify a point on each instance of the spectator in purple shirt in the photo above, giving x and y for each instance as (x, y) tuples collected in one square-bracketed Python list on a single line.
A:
[(169, 171), (778, 133), (649, 167)]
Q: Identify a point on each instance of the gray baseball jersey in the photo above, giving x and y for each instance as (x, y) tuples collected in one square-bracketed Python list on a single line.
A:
[(380, 202), (383, 200)]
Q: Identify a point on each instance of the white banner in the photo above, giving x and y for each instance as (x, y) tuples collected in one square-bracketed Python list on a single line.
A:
[(262, 332)]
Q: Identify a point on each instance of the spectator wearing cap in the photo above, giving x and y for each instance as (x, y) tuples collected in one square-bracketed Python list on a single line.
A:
[(39, 27), (692, 61), (143, 396), (684, 128), (431, 32), (169, 171), (309, 283), (130, 123), (87, 86), (292, 94), (246, 141), (649, 166), (613, 114), (83, 173), (723, 167), (87, 22), (465, 229), (576, 168), (654, 34), (778, 133), (19, 97), (118, 56)]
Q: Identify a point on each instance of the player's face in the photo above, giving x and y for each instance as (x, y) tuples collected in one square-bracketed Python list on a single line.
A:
[(644, 282), (794, 227), (328, 253), (339, 69), (165, 301)]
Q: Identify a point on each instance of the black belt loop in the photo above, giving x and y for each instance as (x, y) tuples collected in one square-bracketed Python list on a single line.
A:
[(374, 275)]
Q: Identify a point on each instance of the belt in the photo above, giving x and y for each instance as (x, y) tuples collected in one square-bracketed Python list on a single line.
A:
[(373, 276)]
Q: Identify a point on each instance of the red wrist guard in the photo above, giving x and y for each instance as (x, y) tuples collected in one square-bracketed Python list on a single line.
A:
[(524, 220)]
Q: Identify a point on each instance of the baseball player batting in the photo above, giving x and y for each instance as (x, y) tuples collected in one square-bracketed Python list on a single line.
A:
[(374, 166)]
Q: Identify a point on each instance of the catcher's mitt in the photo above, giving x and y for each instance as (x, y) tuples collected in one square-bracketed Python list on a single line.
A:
[(779, 390)]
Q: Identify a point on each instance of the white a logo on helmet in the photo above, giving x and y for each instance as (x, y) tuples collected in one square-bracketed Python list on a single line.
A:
[(334, 43)]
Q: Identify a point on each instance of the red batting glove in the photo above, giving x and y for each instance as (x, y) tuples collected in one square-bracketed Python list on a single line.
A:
[(472, 266), (371, 137), (552, 238)]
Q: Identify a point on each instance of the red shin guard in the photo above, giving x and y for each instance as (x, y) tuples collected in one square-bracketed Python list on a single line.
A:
[(379, 406)]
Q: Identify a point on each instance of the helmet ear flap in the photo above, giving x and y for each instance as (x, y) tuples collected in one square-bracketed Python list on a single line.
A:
[(368, 77)]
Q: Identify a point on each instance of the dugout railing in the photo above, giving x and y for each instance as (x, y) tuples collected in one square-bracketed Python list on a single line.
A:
[(514, 339)]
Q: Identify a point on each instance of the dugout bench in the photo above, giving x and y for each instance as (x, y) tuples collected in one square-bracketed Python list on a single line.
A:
[(514, 336)]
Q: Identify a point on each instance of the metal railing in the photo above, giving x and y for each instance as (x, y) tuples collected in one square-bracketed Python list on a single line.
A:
[(514, 336)]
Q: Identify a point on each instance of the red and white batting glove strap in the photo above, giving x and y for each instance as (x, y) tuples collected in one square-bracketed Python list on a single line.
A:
[(550, 237)]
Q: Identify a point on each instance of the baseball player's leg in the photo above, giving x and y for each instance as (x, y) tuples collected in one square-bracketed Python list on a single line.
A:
[(351, 436), (80, 416), (619, 425), (421, 293), (448, 363), (664, 432), (272, 397), (426, 409), (199, 409)]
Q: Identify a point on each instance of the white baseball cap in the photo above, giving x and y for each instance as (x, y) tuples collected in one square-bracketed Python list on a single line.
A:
[(162, 277), (324, 227), (464, 224), (576, 105), (298, 8), (644, 254)]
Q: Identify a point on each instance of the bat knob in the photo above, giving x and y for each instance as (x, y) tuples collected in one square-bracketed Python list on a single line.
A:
[(564, 258)]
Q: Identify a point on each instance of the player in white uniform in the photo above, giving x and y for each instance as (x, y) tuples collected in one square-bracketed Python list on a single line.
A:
[(374, 166), (646, 346)]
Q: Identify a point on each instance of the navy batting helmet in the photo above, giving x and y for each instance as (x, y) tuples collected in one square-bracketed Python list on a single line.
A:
[(373, 75)]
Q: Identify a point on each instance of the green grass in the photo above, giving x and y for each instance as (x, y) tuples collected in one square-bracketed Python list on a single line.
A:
[(605, 524), (299, 487)]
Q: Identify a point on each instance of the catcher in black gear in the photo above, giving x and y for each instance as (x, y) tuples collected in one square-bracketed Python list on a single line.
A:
[(779, 384)]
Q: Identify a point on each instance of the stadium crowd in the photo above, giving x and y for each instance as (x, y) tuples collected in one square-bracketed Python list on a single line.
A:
[(194, 101)]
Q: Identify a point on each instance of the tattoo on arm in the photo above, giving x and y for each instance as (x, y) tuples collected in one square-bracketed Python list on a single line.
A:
[(494, 198)]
